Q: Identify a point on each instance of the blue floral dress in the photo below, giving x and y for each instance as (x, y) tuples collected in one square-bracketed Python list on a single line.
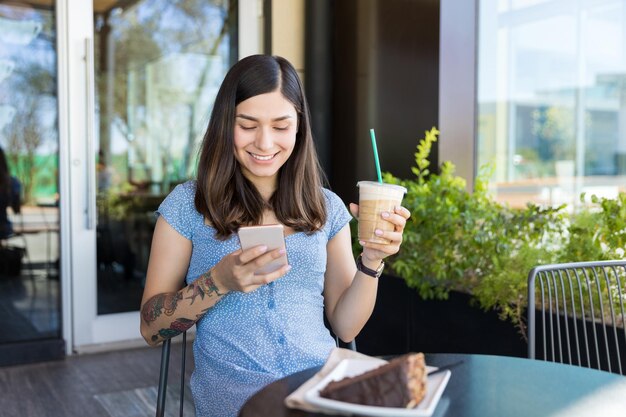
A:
[(248, 340)]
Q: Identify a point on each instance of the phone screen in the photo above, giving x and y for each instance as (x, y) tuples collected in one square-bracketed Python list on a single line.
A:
[(270, 235)]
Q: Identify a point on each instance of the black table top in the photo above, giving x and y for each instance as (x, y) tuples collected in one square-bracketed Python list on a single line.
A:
[(485, 385)]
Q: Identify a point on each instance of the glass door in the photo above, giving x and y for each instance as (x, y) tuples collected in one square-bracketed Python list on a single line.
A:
[(30, 288), (151, 71)]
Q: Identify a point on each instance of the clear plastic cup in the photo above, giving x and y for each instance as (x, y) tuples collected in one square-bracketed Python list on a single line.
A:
[(375, 198)]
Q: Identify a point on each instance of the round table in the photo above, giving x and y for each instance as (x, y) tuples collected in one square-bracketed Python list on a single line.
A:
[(486, 385)]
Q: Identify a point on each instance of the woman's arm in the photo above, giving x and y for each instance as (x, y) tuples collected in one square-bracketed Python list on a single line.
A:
[(167, 309), (350, 295)]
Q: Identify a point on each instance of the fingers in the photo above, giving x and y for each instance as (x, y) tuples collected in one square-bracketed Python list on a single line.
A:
[(354, 210), (395, 239), (244, 273), (250, 254), (262, 279), (254, 265), (398, 217), (403, 211)]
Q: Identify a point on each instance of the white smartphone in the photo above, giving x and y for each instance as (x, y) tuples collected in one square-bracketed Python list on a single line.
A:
[(270, 235)]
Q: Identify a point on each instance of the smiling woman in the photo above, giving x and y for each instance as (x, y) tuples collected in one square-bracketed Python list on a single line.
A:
[(265, 135), (257, 167)]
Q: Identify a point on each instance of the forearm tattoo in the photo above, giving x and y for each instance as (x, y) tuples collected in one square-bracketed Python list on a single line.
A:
[(160, 302), (203, 286), (167, 303)]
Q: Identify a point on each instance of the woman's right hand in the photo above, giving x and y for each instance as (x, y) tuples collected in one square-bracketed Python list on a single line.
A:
[(236, 271)]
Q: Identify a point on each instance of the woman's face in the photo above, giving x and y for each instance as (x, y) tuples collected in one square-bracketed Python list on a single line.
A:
[(265, 135)]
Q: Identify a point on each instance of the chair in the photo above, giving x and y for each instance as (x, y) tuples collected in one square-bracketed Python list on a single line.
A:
[(349, 345), (165, 361), (576, 314)]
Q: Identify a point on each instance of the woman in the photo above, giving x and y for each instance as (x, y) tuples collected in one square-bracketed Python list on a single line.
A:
[(257, 166), (9, 196)]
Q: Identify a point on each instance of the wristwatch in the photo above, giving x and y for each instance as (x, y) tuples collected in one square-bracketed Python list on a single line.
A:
[(374, 273)]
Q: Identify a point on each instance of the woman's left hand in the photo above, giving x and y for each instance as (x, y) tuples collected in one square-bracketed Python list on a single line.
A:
[(378, 251)]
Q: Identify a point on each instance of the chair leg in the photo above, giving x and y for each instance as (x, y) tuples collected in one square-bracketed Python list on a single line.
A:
[(182, 373), (352, 345), (165, 360), (349, 345)]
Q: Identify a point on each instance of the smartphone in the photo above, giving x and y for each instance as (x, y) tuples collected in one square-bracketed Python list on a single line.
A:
[(270, 235)]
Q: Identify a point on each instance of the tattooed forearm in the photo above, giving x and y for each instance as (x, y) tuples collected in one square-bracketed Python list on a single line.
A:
[(177, 327), (203, 286), (167, 302)]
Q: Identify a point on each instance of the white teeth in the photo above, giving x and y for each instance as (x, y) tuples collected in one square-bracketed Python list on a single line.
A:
[(262, 158)]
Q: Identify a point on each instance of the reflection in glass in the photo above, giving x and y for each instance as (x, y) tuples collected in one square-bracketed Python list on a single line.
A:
[(158, 67), (551, 112), (29, 284)]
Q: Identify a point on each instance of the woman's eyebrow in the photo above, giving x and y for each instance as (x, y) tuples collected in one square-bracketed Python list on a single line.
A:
[(254, 119)]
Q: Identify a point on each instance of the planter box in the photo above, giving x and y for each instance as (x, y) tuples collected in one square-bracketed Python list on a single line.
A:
[(403, 322)]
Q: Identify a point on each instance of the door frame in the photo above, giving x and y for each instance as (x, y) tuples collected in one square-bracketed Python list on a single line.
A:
[(83, 329)]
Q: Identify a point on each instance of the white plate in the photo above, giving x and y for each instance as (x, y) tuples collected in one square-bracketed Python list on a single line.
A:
[(352, 367)]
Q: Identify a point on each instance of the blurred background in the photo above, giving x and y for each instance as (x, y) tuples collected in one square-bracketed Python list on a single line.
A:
[(103, 105)]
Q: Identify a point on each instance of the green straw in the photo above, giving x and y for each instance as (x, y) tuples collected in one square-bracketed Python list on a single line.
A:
[(373, 136)]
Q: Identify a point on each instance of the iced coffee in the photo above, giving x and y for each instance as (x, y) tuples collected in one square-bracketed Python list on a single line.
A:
[(374, 199)]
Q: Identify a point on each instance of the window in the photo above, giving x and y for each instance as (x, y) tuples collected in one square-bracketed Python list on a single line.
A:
[(551, 98)]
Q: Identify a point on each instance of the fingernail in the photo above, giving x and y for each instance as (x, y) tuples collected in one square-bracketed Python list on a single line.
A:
[(288, 268), (378, 232), (385, 214), (263, 248), (361, 242), (282, 251)]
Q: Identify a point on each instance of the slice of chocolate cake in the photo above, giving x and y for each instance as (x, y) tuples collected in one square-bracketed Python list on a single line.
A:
[(399, 383)]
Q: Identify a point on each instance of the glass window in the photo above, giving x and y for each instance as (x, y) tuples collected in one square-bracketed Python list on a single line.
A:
[(29, 139), (158, 66), (552, 99)]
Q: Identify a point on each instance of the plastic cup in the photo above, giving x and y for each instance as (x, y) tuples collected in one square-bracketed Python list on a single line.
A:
[(375, 198)]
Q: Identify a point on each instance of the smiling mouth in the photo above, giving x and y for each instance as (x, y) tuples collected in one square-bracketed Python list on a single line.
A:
[(262, 157)]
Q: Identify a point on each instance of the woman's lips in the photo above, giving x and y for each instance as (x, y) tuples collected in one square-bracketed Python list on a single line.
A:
[(262, 158)]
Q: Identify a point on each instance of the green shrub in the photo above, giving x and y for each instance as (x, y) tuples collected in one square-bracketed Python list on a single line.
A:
[(467, 241)]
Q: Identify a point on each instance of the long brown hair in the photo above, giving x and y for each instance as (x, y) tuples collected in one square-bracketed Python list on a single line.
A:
[(224, 196)]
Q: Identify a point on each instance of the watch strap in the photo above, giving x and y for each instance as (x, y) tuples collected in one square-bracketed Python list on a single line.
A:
[(374, 273)]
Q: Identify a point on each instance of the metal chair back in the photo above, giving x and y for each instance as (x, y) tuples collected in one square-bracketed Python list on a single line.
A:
[(576, 314), (165, 361)]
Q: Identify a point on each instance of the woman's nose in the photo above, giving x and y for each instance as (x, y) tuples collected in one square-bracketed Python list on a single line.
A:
[(264, 139)]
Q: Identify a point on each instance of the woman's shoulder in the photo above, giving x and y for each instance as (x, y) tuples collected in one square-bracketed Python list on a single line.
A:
[(331, 196), (181, 197), (334, 203), (178, 209), (185, 190), (337, 213)]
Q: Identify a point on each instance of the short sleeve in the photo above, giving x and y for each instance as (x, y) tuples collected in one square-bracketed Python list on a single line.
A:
[(179, 209), (337, 214)]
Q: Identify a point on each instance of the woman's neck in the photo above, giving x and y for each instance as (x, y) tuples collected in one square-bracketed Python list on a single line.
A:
[(266, 187)]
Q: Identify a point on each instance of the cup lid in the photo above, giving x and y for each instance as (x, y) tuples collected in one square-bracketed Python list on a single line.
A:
[(382, 184)]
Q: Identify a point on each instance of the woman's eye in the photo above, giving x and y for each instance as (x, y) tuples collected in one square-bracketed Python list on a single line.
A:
[(247, 127), (281, 127)]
